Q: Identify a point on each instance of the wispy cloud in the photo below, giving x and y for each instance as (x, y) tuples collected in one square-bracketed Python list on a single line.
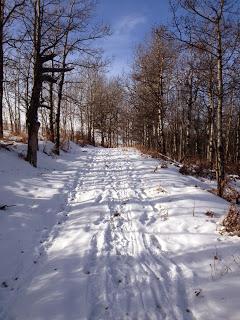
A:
[(129, 23), (125, 34), (122, 33)]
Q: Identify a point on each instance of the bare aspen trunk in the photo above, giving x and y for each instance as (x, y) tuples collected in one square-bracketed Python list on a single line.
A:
[(72, 129), (60, 94), (238, 138), (93, 137), (161, 110), (161, 130), (220, 168), (181, 146), (10, 111), (27, 88), (102, 138), (51, 113), (228, 133), (89, 124), (189, 119), (58, 114), (18, 102), (210, 146)]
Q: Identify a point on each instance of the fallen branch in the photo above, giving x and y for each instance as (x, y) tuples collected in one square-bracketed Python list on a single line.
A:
[(5, 206), (169, 159)]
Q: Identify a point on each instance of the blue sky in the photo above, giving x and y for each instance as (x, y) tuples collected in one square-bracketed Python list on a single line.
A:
[(130, 22)]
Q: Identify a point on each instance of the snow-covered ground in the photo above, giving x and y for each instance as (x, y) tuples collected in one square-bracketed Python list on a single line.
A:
[(103, 234)]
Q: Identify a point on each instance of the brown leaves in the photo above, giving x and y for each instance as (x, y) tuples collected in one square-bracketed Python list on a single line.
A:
[(231, 222)]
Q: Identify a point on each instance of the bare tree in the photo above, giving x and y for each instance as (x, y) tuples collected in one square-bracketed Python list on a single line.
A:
[(8, 11), (46, 35), (206, 26)]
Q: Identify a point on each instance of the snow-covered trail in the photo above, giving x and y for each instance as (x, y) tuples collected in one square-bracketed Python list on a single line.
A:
[(115, 256), (127, 267), (104, 264)]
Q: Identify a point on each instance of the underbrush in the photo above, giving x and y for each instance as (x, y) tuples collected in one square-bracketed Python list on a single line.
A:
[(16, 137), (231, 222), (156, 155), (82, 139), (198, 169), (202, 168), (230, 193)]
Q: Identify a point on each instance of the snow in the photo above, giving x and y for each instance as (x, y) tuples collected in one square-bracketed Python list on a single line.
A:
[(102, 234)]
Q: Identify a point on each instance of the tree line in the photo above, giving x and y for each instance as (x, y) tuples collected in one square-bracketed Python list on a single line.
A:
[(184, 92), (41, 41)]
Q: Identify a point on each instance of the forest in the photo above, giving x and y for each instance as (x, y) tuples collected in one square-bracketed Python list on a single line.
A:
[(181, 97)]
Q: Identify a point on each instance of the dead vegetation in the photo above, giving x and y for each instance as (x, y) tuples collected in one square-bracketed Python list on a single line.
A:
[(19, 136), (157, 155), (161, 190), (230, 193), (199, 169), (210, 214), (164, 214), (231, 222), (164, 165), (203, 168)]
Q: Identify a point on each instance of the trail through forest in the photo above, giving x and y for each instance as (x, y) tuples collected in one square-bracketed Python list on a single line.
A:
[(136, 245)]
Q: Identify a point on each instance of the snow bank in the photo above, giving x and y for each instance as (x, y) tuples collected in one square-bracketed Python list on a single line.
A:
[(38, 200)]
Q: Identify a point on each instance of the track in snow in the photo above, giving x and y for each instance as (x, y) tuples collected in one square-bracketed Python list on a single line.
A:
[(104, 263)]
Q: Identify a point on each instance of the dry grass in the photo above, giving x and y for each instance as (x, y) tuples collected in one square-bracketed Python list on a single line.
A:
[(150, 152), (17, 137), (157, 155), (81, 139)]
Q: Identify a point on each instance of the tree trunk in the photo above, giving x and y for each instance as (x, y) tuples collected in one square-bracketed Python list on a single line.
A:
[(51, 114), (228, 134), (238, 138), (33, 129), (58, 115), (189, 120), (102, 138), (32, 114), (220, 171), (210, 146)]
